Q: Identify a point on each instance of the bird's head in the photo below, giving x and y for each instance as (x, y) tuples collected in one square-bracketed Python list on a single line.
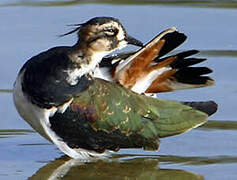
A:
[(104, 34)]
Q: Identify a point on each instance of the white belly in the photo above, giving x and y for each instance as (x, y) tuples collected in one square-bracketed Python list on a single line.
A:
[(28, 111)]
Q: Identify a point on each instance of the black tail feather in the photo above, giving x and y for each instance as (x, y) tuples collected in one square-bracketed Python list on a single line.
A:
[(208, 107)]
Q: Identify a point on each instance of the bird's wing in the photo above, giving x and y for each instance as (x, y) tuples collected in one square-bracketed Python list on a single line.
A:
[(148, 71), (108, 116), (180, 74)]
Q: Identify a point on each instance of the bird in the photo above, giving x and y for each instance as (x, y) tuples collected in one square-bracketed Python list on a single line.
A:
[(64, 95)]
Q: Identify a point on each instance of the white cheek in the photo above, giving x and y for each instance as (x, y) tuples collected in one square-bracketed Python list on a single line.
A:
[(120, 35)]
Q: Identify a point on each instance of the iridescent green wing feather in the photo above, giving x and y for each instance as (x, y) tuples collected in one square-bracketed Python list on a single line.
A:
[(111, 108)]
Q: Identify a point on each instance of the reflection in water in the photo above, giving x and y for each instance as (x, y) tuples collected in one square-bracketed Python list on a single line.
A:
[(219, 53), (139, 168), (201, 160), (5, 90), (220, 125), (6, 133), (185, 160)]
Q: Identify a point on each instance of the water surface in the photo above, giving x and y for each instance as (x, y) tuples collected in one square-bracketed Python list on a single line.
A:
[(209, 152)]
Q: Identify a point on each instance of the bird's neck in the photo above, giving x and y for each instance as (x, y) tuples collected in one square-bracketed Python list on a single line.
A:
[(84, 60), (84, 54)]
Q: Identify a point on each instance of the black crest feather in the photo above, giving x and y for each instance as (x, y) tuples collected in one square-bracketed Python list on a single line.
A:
[(72, 31)]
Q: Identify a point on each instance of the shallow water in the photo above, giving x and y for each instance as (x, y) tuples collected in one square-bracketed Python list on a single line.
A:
[(209, 152)]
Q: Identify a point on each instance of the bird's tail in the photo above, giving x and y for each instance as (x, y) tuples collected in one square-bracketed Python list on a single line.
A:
[(178, 117), (208, 107)]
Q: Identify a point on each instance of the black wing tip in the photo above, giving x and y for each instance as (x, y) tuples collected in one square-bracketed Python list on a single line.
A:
[(182, 63), (172, 41), (193, 71), (208, 107), (197, 70), (201, 81), (194, 75), (187, 53), (176, 35)]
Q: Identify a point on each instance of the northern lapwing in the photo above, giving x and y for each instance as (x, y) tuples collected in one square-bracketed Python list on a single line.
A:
[(65, 96)]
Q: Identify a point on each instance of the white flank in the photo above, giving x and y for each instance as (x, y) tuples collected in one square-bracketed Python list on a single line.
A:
[(38, 118), (143, 84)]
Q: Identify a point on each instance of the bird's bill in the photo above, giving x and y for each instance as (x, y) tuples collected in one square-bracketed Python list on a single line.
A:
[(133, 41)]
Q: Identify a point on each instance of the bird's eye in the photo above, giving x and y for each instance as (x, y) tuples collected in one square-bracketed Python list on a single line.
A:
[(111, 32)]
